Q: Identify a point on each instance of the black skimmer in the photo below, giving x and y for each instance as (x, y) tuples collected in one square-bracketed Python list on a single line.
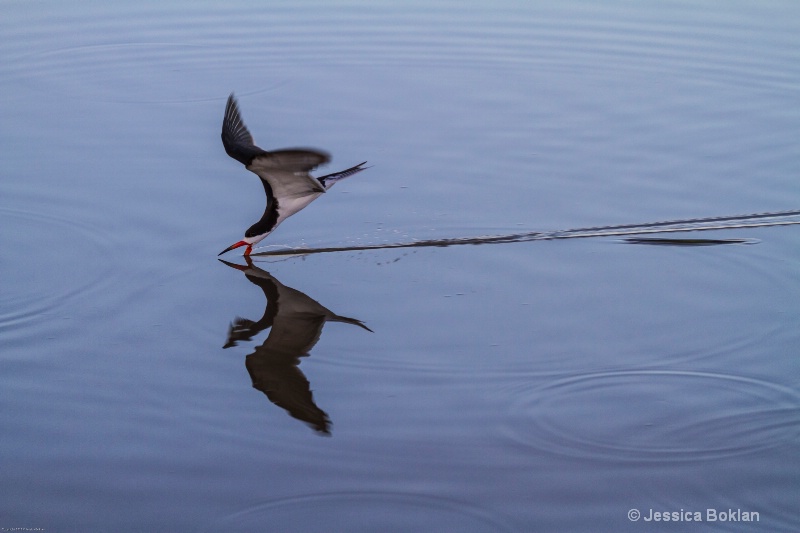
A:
[(296, 323), (284, 174)]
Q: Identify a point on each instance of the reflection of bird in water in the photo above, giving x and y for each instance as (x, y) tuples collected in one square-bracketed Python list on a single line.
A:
[(284, 174), (296, 321)]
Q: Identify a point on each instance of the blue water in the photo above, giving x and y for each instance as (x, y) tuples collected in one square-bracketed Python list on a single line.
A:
[(551, 385)]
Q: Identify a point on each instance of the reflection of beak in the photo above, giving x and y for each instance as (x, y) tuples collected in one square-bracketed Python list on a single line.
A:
[(234, 265), (243, 268), (238, 244)]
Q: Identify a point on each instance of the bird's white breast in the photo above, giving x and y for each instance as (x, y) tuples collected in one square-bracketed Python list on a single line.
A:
[(289, 206)]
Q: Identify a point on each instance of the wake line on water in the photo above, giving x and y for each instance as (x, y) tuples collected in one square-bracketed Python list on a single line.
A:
[(754, 220)]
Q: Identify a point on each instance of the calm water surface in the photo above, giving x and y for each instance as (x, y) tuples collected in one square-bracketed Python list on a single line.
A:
[(539, 386)]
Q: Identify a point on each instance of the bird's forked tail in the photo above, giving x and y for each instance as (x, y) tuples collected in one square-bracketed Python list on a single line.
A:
[(330, 179)]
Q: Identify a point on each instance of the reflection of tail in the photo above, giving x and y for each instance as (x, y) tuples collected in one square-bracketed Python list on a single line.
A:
[(347, 320), (330, 179)]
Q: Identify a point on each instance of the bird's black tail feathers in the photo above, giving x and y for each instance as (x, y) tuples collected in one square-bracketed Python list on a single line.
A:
[(330, 179)]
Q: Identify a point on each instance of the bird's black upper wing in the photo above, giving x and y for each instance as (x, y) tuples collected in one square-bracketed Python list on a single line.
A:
[(236, 138)]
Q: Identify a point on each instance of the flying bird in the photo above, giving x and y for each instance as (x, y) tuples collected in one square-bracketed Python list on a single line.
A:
[(285, 175)]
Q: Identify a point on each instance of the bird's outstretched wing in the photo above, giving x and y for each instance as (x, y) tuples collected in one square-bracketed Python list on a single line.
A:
[(287, 173), (299, 160), (236, 138)]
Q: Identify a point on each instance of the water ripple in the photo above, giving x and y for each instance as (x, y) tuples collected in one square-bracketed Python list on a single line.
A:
[(216, 46), (363, 511), (125, 72), (37, 285), (654, 416)]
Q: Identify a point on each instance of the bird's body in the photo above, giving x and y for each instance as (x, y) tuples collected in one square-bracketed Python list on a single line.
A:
[(285, 175)]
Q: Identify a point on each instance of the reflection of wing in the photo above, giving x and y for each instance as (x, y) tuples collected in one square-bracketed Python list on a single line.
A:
[(242, 329), (280, 378)]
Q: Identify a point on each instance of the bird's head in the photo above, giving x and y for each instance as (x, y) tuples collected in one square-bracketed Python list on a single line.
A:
[(250, 238)]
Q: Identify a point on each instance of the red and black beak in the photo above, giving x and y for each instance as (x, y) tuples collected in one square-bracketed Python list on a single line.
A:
[(237, 245)]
